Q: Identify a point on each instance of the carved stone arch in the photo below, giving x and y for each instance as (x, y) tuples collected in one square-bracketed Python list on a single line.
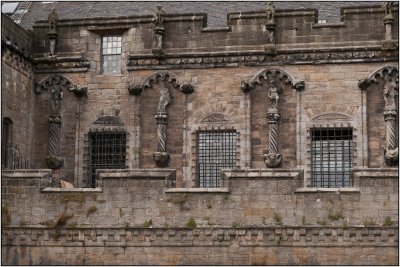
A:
[(330, 116), (381, 72), (279, 74), (216, 118), (56, 79), (390, 76), (163, 76)]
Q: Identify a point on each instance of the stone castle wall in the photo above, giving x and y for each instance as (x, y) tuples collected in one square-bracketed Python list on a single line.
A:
[(17, 82), (137, 209), (149, 215)]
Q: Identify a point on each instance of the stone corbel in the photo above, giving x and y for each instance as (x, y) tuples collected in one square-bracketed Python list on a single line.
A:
[(79, 90), (135, 89), (187, 88)]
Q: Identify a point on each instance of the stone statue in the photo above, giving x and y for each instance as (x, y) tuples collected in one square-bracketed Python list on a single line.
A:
[(270, 11), (387, 6), (158, 19), (56, 99), (165, 99), (389, 92), (273, 94), (53, 19)]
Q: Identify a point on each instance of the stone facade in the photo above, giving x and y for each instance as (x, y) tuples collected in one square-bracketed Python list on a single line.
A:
[(178, 78)]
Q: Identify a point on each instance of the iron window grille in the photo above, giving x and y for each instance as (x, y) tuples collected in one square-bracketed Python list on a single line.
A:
[(216, 151), (331, 157), (107, 151), (111, 54)]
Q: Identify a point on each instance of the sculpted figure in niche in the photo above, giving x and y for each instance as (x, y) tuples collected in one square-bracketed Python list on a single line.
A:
[(389, 92), (165, 99), (159, 16), (273, 94), (270, 11), (52, 18), (387, 6), (56, 99)]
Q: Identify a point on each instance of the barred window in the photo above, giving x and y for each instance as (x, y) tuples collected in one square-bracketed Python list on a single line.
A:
[(111, 54), (216, 151), (331, 157), (107, 151), (6, 135)]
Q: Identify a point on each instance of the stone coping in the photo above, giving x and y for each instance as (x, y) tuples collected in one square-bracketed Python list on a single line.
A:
[(197, 190), (136, 173), (262, 173), (327, 190), (384, 173), (26, 173), (71, 190)]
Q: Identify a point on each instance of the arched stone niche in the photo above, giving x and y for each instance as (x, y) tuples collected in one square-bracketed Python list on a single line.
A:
[(161, 110), (56, 121), (273, 106), (380, 91)]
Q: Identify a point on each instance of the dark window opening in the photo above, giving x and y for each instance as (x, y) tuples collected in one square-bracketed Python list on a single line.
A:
[(331, 157), (6, 134), (111, 54), (108, 151), (216, 151)]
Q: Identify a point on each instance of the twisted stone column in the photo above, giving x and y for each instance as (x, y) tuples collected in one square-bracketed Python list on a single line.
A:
[(390, 114), (52, 160), (273, 158), (161, 157)]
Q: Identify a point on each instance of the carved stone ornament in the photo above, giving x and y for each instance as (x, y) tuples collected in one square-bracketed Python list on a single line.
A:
[(108, 120), (331, 116), (53, 20), (135, 89), (161, 76), (273, 160), (79, 90), (159, 31), (270, 11), (52, 34), (215, 118), (161, 159), (54, 80), (277, 74), (187, 88), (246, 86), (54, 162)]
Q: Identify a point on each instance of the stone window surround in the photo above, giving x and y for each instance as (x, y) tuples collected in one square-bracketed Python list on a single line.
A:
[(193, 162), (327, 124), (86, 146), (102, 54)]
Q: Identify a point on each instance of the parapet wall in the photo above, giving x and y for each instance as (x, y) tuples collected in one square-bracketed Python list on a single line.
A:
[(137, 209), (244, 31)]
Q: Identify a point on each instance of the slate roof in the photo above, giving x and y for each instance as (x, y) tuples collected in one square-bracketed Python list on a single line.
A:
[(217, 11)]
